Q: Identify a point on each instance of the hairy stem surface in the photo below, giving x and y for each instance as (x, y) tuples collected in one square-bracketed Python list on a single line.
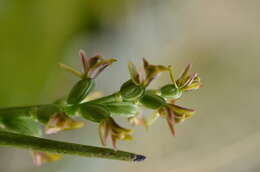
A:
[(51, 146)]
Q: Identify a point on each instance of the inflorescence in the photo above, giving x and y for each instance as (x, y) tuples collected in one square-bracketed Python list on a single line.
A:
[(133, 96)]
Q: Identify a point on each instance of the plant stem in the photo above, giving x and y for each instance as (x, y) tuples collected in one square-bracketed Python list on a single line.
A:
[(51, 146), (106, 99)]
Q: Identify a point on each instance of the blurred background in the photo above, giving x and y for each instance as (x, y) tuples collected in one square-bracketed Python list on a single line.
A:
[(220, 38)]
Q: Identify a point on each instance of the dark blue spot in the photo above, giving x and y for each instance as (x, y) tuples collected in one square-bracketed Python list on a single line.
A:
[(139, 158)]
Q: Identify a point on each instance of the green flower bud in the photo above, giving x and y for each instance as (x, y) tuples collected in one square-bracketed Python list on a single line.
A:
[(131, 92), (125, 109), (171, 91), (80, 91), (94, 112), (152, 101)]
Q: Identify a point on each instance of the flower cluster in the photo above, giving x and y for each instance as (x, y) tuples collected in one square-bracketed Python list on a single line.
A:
[(127, 103)]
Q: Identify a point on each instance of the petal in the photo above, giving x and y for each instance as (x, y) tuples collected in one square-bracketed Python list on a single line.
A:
[(94, 60), (117, 128), (84, 60), (181, 110), (42, 157), (71, 70), (185, 76), (114, 139), (95, 70), (103, 132), (193, 86), (171, 121), (134, 74), (152, 71), (190, 80), (60, 122)]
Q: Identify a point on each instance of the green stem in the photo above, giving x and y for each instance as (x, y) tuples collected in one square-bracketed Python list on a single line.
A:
[(106, 99), (51, 146)]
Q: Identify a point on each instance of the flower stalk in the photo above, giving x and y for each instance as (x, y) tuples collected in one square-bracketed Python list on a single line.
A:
[(45, 145), (21, 124)]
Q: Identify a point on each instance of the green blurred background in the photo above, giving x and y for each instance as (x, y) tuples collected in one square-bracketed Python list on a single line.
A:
[(220, 38)]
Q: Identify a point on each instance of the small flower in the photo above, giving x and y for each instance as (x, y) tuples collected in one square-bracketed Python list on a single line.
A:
[(109, 128), (60, 122), (138, 120), (186, 82), (175, 114), (40, 158), (147, 74), (92, 66)]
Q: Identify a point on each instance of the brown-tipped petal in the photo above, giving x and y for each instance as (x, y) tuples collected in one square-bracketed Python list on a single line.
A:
[(152, 71), (190, 80), (95, 70), (134, 74), (186, 70), (185, 76), (118, 129), (178, 110), (114, 140), (193, 86), (84, 60), (60, 122), (94, 60), (171, 121), (103, 132)]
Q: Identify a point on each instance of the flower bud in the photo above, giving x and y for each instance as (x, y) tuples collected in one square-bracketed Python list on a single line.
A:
[(131, 92), (125, 109), (80, 91), (94, 112), (152, 101), (171, 91)]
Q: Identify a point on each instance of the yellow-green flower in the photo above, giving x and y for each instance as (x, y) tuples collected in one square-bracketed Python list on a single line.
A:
[(147, 74), (40, 158), (175, 114), (92, 66), (109, 128), (187, 82), (60, 122)]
